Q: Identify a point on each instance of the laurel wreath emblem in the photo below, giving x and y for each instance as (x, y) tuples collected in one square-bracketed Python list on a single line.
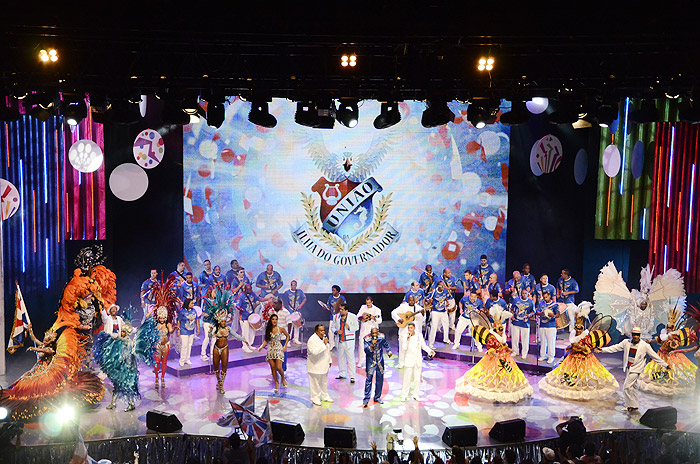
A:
[(316, 230)]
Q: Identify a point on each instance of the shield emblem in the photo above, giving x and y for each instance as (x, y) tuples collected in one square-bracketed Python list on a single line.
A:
[(347, 218)]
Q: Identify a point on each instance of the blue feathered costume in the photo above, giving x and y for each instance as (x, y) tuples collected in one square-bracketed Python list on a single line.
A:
[(117, 356)]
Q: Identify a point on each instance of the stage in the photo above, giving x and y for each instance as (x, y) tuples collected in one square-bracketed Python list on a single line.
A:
[(195, 402)]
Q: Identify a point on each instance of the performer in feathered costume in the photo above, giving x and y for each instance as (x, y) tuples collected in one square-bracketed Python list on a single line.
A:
[(637, 308), (165, 313), (218, 311), (580, 376), (117, 356), (680, 377), (496, 377)]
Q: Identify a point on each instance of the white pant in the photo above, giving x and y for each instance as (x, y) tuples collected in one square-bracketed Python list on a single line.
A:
[(296, 334), (206, 341), (402, 353), (451, 304), (463, 324), (185, 348), (318, 387), (248, 334), (346, 358), (548, 338), (629, 390), (332, 339), (411, 381), (441, 319), (521, 335), (361, 357)]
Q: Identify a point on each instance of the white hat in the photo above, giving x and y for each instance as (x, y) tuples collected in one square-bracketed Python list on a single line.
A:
[(548, 453), (636, 330)]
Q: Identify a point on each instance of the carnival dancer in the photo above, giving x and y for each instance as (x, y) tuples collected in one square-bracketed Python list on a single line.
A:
[(416, 292), (117, 355), (411, 342), (496, 377), (283, 320), (165, 328), (318, 363), (439, 317), (344, 326), (567, 287), (451, 286), (269, 282), (218, 309), (580, 376), (275, 350), (233, 272), (680, 377), (547, 311), (483, 273), (469, 302), (470, 284), (111, 321), (369, 317), (189, 289), (178, 274), (334, 301), (633, 361), (405, 313), (148, 298), (246, 303), (187, 324), (374, 346), (295, 299), (544, 286), (523, 309), (205, 278), (528, 278)]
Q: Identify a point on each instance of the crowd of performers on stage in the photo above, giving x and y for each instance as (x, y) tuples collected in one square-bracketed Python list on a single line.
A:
[(91, 341)]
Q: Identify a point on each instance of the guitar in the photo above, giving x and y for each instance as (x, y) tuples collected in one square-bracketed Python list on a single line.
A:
[(408, 316), (428, 302)]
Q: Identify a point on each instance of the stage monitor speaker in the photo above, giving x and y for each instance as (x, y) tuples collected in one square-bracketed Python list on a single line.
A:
[(162, 422), (506, 431), (287, 432), (339, 437), (660, 418), (460, 435)]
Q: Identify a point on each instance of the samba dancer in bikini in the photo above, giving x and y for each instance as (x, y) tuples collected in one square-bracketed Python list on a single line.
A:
[(165, 328)]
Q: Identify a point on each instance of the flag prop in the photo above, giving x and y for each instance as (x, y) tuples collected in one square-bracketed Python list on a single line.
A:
[(20, 324)]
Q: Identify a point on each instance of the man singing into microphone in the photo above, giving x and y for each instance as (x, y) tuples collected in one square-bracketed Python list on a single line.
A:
[(375, 343)]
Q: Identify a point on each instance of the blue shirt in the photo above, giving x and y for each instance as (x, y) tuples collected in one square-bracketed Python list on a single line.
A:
[(539, 289), (426, 283), (470, 285), (275, 279), (236, 281), (548, 322), (450, 282), (501, 302), (331, 302), (148, 296), (375, 357), (187, 318), (522, 311), (205, 281), (482, 274), (417, 294), (517, 286), (179, 278), (292, 299), (531, 282), (189, 291), (230, 275), (468, 306), (496, 287), (245, 304), (568, 285), (440, 300)]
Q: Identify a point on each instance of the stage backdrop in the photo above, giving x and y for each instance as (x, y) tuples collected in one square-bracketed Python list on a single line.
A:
[(362, 208)]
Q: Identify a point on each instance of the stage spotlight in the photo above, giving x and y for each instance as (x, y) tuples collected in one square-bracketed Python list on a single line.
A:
[(480, 114), (260, 114), (485, 63), (688, 111), (173, 114), (437, 113), (50, 56), (567, 112), (348, 113), (66, 414), (74, 111), (8, 112), (388, 116), (216, 113), (192, 108), (42, 105), (3, 413), (348, 60), (122, 112), (606, 114), (319, 114), (647, 113), (537, 105), (517, 115)]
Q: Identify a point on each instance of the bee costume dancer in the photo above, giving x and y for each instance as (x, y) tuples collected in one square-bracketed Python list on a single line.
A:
[(496, 377), (680, 378), (580, 376)]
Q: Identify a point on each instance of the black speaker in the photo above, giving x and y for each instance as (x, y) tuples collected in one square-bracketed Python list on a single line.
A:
[(460, 435), (511, 430), (162, 422), (660, 418), (339, 437), (287, 432)]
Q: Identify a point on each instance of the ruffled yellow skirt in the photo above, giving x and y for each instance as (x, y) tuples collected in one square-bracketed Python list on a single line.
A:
[(495, 378), (678, 380), (579, 377)]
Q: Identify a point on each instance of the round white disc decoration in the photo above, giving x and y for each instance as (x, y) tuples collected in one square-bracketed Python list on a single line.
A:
[(128, 182), (547, 153), (581, 166), (149, 149), (611, 160), (9, 199), (85, 156), (537, 105), (534, 167)]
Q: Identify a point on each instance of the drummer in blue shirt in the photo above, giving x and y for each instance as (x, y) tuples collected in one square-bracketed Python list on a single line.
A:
[(547, 311)]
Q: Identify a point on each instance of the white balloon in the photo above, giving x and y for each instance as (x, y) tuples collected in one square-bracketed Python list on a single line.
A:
[(128, 182), (85, 156)]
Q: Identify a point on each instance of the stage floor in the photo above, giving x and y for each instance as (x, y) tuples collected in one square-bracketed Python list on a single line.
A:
[(195, 402)]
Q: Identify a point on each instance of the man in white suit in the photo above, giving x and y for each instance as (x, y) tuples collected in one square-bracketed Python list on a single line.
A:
[(633, 362), (411, 306), (344, 327), (112, 323), (411, 344), (370, 317), (318, 363)]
